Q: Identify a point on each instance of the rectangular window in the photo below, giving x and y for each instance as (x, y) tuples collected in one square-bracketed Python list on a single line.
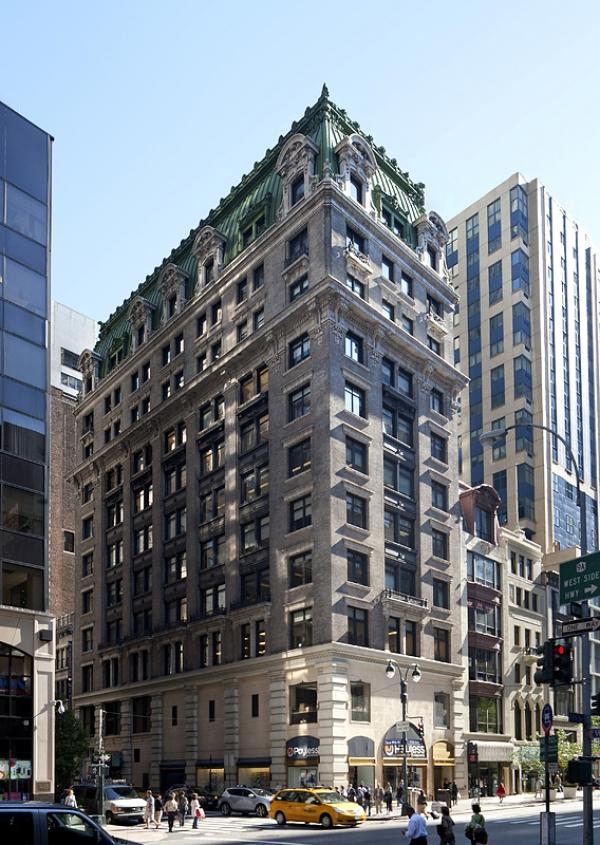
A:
[(355, 241), (496, 335), (297, 190), (387, 268), (441, 644), (298, 288), (356, 510), (242, 290), (300, 569), (441, 710), (406, 284), (300, 513), (439, 447), (254, 706), (439, 544), (495, 283), (437, 401), (494, 226), (353, 347), (439, 495), (356, 455), (441, 593), (388, 309), (299, 350), (360, 702), (519, 213), (355, 286), (298, 246), (301, 628), (303, 703), (497, 386), (355, 399), (299, 402), (358, 626), (358, 567), (299, 457)]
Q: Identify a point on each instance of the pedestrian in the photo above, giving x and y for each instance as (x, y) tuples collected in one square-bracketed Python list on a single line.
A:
[(69, 800), (158, 809), (149, 808), (453, 793), (539, 788), (378, 798), (417, 828), (388, 797), (171, 810), (351, 793), (446, 828), (399, 793), (475, 830), (360, 795), (367, 800), (196, 810), (182, 807), (422, 803), (501, 792)]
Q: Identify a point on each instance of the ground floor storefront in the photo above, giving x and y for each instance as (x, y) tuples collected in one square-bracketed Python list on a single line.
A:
[(325, 718)]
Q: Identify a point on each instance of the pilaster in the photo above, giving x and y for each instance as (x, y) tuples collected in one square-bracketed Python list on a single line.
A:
[(231, 731), (191, 733), (279, 727), (156, 733), (126, 753), (333, 696)]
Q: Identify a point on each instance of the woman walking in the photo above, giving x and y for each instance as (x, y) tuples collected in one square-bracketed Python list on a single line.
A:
[(158, 810), (501, 792), (475, 830), (149, 809), (182, 807), (196, 810), (171, 811), (446, 828)]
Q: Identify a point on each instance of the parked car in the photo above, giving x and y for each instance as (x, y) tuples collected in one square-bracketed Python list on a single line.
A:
[(319, 806), (121, 801), (242, 799), (36, 823)]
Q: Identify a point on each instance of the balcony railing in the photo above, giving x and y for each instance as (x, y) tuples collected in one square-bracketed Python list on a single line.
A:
[(403, 598)]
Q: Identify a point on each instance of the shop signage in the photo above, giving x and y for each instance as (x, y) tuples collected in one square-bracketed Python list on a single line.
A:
[(409, 744), (443, 753), (302, 748), (472, 752)]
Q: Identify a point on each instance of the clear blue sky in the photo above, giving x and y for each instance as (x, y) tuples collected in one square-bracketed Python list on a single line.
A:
[(158, 108)]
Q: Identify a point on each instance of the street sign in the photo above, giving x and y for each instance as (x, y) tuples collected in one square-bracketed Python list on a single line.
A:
[(547, 718), (576, 718), (402, 727), (552, 743), (595, 733), (580, 626), (580, 578)]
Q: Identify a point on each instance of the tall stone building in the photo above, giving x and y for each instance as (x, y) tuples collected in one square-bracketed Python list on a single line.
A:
[(527, 337), (26, 627), (268, 486)]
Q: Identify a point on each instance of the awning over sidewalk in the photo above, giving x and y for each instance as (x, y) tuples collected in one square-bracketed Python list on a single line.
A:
[(495, 752)]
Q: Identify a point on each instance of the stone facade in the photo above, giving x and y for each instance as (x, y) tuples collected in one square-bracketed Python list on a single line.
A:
[(268, 494)]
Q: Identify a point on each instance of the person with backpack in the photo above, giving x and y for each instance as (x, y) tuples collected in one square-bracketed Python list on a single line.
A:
[(475, 830)]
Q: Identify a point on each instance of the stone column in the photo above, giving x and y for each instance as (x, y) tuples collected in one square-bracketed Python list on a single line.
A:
[(156, 734), (333, 697), (191, 733), (231, 731), (278, 715), (459, 713)]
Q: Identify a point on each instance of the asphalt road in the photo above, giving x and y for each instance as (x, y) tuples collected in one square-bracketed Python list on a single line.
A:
[(505, 827)]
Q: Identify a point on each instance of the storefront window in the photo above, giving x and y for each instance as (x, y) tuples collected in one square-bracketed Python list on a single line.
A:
[(254, 777), (211, 778), (15, 724)]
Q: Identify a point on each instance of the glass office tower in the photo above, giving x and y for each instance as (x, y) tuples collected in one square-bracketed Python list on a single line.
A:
[(26, 630)]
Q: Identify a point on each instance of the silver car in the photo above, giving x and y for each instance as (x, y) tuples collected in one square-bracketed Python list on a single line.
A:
[(242, 799)]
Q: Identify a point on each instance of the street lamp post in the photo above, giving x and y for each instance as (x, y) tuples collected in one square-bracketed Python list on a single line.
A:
[(390, 670), (586, 747)]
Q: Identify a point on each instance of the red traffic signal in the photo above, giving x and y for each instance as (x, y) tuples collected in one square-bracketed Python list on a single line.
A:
[(562, 664)]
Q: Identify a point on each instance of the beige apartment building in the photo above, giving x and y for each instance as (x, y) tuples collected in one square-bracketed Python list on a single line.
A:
[(527, 336), (268, 495)]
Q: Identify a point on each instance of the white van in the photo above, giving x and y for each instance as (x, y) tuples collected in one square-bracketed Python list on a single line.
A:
[(121, 801)]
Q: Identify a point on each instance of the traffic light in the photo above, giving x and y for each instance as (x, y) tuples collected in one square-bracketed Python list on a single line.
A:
[(421, 730), (545, 671), (562, 665), (595, 709), (579, 771)]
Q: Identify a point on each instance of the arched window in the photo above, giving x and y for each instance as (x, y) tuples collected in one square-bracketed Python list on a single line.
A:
[(528, 723), (518, 721)]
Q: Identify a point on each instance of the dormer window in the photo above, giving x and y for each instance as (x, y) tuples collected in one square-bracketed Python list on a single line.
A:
[(209, 272), (297, 190), (393, 222), (209, 251), (171, 286), (141, 332), (432, 256), (356, 190), (172, 306)]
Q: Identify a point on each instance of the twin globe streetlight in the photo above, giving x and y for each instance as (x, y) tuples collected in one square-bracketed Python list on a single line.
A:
[(415, 673)]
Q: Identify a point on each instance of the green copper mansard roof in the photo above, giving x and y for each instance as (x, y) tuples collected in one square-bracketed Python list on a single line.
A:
[(260, 191)]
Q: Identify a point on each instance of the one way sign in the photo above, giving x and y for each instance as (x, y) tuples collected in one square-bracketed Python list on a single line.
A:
[(580, 626)]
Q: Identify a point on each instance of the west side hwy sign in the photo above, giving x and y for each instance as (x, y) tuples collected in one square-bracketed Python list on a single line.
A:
[(580, 578)]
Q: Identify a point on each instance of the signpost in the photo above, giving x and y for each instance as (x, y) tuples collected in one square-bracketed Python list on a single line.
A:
[(595, 733), (580, 626), (402, 727), (549, 757), (580, 578)]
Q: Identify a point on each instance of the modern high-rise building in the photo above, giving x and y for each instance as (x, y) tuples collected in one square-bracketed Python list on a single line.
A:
[(527, 336), (268, 487), (26, 628)]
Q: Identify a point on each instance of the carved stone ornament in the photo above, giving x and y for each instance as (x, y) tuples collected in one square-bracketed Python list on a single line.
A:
[(172, 284), (140, 312), (357, 264), (432, 232), (88, 363), (436, 326), (356, 156), (297, 158), (426, 379), (209, 244)]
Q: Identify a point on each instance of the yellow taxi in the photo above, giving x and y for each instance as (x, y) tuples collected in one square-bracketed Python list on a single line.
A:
[(317, 806)]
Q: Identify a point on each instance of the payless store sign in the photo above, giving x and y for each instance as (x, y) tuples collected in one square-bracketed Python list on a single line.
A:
[(302, 748)]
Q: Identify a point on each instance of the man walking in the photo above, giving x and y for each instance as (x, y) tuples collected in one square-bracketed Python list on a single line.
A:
[(417, 828)]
